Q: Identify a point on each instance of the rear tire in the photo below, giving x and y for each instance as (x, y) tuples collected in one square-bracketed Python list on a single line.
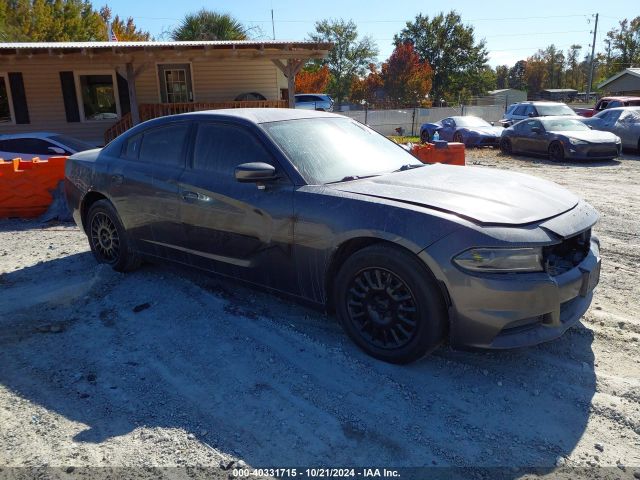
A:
[(424, 136), (505, 146), (556, 152), (458, 138), (108, 238), (389, 304)]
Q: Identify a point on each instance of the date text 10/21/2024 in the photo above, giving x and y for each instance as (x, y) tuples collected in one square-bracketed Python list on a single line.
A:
[(315, 473)]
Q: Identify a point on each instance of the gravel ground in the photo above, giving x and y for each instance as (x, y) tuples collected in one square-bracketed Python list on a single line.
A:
[(165, 367)]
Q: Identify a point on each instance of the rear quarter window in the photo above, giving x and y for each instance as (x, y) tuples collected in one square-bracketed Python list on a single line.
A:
[(164, 145)]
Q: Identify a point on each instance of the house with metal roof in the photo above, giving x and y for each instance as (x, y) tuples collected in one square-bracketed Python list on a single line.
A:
[(96, 90), (558, 94), (626, 82)]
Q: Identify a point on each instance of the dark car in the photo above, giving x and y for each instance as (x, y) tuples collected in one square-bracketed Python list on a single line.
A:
[(560, 138), (322, 208), (621, 121), (472, 131)]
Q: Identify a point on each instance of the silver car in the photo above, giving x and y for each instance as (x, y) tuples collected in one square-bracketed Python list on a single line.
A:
[(622, 121), (314, 101), (524, 110)]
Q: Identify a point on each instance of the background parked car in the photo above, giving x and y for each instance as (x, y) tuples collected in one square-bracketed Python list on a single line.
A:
[(524, 110), (40, 144), (623, 122), (559, 138), (472, 131), (610, 102), (314, 101)]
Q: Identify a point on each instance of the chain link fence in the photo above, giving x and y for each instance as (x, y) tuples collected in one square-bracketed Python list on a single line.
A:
[(409, 120)]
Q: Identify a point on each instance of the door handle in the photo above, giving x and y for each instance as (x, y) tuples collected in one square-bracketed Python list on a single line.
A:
[(117, 179), (189, 196)]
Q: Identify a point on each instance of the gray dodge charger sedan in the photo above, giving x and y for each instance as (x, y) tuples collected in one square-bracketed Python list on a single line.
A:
[(321, 208)]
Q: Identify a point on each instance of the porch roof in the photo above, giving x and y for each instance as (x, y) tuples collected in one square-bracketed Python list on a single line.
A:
[(279, 48)]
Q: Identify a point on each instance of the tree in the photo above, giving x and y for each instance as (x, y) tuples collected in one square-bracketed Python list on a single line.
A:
[(554, 61), (369, 88), (573, 76), (209, 25), (625, 41), (51, 21), (535, 73), (516, 79), (406, 78), (450, 48), (123, 30), (312, 79), (502, 76), (349, 56)]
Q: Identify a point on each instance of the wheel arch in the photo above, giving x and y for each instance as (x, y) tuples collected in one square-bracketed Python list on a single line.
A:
[(88, 200), (353, 245)]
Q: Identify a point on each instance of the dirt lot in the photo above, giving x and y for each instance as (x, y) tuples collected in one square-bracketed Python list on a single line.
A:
[(165, 367)]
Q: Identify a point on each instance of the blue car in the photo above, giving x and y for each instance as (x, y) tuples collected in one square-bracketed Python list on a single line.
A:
[(472, 131)]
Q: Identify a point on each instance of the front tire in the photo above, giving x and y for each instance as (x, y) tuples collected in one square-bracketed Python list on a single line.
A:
[(458, 138), (108, 238), (389, 304), (424, 136), (556, 152)]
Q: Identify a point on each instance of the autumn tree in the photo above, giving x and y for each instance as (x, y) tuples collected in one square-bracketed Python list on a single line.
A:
[(369, 88), (312, 79), (535, 73), (123, 30), (450, 47), (406, 78), (51, 21), (349, 56)]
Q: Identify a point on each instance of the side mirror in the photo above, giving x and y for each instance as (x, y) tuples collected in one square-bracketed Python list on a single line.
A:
[(493, 124), (537, 130), (590, 127), (57, 150), (255, 172), (531, 114)]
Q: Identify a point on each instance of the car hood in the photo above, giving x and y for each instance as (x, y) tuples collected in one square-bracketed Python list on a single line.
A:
[(592, 136), (493, 131), (481, 195)]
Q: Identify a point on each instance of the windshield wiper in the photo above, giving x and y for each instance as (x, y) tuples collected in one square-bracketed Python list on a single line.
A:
[(408, 166), (349, 178)]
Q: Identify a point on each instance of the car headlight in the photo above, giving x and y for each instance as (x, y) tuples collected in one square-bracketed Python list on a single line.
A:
[(577, 141), (527, 259), (618, 140)]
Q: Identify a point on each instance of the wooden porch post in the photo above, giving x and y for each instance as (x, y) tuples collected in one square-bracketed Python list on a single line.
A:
[(290, 70), (133, 99)]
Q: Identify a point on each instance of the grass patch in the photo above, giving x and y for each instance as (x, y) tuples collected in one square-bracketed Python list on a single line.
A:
[(404, 140)]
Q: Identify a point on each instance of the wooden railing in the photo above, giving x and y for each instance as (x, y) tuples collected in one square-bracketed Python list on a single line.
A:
[(154, 110)]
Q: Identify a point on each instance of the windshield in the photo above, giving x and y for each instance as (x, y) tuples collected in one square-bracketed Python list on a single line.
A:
[(72, 143), (550, 110), (471, 122), (326, 150), (564, 125)]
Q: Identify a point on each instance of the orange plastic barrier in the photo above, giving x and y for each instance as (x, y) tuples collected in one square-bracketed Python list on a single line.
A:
[(26, 186), (453, 154)]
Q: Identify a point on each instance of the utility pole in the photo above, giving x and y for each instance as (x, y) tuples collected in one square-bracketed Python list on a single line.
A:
[(273, 25), (593, 52)]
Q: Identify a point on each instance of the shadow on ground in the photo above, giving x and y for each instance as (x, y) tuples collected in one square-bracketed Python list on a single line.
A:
[(272, 382)]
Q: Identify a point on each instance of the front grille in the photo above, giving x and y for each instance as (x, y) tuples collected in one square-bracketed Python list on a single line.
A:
[(564, 256), (604, 151)]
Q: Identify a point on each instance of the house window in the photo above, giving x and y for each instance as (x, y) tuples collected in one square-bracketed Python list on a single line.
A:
[(98, 97), (175, 83), (5, 103)]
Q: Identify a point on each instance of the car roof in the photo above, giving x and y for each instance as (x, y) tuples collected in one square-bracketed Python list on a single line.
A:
[(623, 99), (540, 102), (262, 115), (15, 136), (623, 109)]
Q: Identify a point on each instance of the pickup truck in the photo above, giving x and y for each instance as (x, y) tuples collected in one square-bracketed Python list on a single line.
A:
[(609, 102)]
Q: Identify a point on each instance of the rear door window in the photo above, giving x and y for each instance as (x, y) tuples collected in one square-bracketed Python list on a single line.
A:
[(33, 146), (164, 145), (519, 111)]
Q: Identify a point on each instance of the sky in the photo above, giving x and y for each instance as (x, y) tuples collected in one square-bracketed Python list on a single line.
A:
[(513, 30)]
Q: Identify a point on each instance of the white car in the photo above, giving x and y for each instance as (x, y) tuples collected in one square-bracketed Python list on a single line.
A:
[(39, 144)]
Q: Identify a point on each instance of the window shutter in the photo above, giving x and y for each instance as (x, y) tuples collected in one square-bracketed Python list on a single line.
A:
[(20, 109), (123, 94), (69, 96)]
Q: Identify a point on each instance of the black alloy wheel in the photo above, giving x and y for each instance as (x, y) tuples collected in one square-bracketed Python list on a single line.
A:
[(556, 152)]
